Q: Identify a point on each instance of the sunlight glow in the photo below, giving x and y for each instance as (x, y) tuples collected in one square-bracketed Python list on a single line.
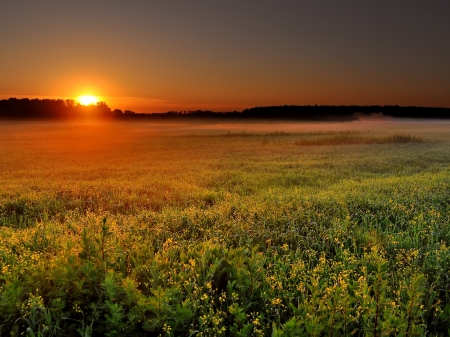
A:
[(87, 100)]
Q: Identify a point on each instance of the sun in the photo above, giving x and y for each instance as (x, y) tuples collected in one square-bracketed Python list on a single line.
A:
[(87, 100)]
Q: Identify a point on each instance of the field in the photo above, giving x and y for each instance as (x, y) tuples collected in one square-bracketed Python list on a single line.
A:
[(203, 229)]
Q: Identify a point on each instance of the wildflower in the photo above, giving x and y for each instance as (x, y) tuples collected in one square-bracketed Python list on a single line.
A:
[(276, 301)]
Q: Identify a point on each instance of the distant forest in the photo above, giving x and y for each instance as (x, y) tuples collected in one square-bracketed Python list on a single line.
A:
[(26, 109)]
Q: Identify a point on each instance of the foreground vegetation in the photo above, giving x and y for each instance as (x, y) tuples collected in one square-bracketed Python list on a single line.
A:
[(318, 234)]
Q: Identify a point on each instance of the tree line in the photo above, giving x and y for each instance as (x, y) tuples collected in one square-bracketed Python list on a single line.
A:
[(344, 112), (22, 109), (25, 108)]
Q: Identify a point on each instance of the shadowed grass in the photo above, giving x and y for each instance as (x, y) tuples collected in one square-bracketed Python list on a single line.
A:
[(351, 139)]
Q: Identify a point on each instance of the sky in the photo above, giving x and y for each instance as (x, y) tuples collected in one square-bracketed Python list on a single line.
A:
[(156, 56)]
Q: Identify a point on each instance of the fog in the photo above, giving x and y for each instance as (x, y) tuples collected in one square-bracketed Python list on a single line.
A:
[(377, 123), (113, 132)]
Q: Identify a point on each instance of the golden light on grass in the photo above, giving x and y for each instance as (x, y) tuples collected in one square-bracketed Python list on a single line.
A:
[(87, 100)]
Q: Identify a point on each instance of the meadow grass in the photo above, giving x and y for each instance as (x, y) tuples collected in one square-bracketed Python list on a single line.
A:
[(119, 230), (347, 138)]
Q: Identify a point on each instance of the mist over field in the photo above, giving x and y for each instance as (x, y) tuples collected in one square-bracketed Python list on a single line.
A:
[(122, 130)]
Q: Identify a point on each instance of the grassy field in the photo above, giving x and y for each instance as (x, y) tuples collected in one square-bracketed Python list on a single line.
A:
[(202, 229)]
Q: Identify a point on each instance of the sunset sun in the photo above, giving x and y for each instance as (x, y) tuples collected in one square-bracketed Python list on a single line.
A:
[(87, 100)]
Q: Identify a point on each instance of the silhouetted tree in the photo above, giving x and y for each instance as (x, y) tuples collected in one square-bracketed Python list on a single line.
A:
[(117, 113), (129, 113), (25, 108)]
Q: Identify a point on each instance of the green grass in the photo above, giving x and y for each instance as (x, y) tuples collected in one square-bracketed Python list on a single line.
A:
[(141, 233)]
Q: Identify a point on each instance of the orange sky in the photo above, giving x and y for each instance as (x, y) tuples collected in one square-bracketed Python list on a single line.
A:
[(151, 57)]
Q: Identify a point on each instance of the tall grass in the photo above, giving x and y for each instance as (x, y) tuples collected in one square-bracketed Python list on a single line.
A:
[(231, 236)]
